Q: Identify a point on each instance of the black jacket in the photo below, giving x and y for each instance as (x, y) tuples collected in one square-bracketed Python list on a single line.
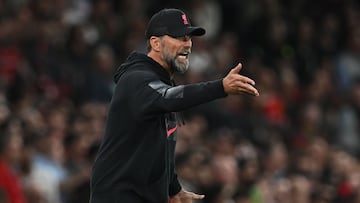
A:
[(137, 153)]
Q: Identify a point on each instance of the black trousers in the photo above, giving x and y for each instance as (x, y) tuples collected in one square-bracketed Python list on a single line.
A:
[(116, 198), (120, 197)]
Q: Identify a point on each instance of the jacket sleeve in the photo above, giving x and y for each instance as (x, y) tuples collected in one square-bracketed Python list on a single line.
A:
[(151, 95), (174, 186)]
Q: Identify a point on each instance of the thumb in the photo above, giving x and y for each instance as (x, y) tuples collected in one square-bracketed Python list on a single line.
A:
[(196, 196), (236, 69)]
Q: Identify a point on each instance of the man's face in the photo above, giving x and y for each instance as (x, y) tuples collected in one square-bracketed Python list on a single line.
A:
[(175, 52)]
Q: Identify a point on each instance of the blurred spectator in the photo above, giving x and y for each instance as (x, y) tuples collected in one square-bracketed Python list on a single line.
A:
[(209, 15), (99, 85), (348, 65), (77, 165), (47, 172), (347, 136), (10, 153)]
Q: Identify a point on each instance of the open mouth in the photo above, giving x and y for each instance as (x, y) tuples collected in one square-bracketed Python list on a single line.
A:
[(184, 55)]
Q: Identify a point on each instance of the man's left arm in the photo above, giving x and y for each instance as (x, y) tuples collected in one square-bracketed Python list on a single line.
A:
[(174, 186)]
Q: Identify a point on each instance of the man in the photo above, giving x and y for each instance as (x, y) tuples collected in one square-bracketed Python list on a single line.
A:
[(135, 163)]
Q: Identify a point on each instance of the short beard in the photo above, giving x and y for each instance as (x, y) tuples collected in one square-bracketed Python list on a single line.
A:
[(175, 65)]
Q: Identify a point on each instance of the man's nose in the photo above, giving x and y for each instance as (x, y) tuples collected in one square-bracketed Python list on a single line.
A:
[(188, 43)]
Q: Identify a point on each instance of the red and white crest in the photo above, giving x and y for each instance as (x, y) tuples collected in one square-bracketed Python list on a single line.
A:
[(185, 20)]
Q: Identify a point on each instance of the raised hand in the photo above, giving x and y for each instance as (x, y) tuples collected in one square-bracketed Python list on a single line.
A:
[(236, 84)]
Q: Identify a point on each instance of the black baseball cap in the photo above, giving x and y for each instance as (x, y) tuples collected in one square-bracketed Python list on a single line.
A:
[(172, 22)]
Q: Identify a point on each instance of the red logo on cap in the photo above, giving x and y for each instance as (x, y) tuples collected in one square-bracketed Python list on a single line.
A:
[(186, 22)]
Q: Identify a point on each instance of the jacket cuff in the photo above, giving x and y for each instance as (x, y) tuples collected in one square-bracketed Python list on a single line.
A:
[(174, 187), (219, 87)]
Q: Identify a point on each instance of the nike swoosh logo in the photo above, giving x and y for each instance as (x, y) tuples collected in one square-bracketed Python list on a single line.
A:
[(171, 131)]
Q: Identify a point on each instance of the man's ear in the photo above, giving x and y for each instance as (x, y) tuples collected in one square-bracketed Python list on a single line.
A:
[(155, 43)]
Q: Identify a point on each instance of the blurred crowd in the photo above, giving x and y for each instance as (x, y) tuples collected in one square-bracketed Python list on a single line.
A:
[(298, 142)]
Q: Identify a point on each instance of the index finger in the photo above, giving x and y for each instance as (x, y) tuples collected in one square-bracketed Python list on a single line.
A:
[(247, 80)]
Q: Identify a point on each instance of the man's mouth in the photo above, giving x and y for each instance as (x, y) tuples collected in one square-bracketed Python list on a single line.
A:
[(184, 55)]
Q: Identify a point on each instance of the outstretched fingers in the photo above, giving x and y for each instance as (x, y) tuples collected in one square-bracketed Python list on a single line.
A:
[(245, 84), (234, 83), (246, 80), (196, 196), (248, 88)]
